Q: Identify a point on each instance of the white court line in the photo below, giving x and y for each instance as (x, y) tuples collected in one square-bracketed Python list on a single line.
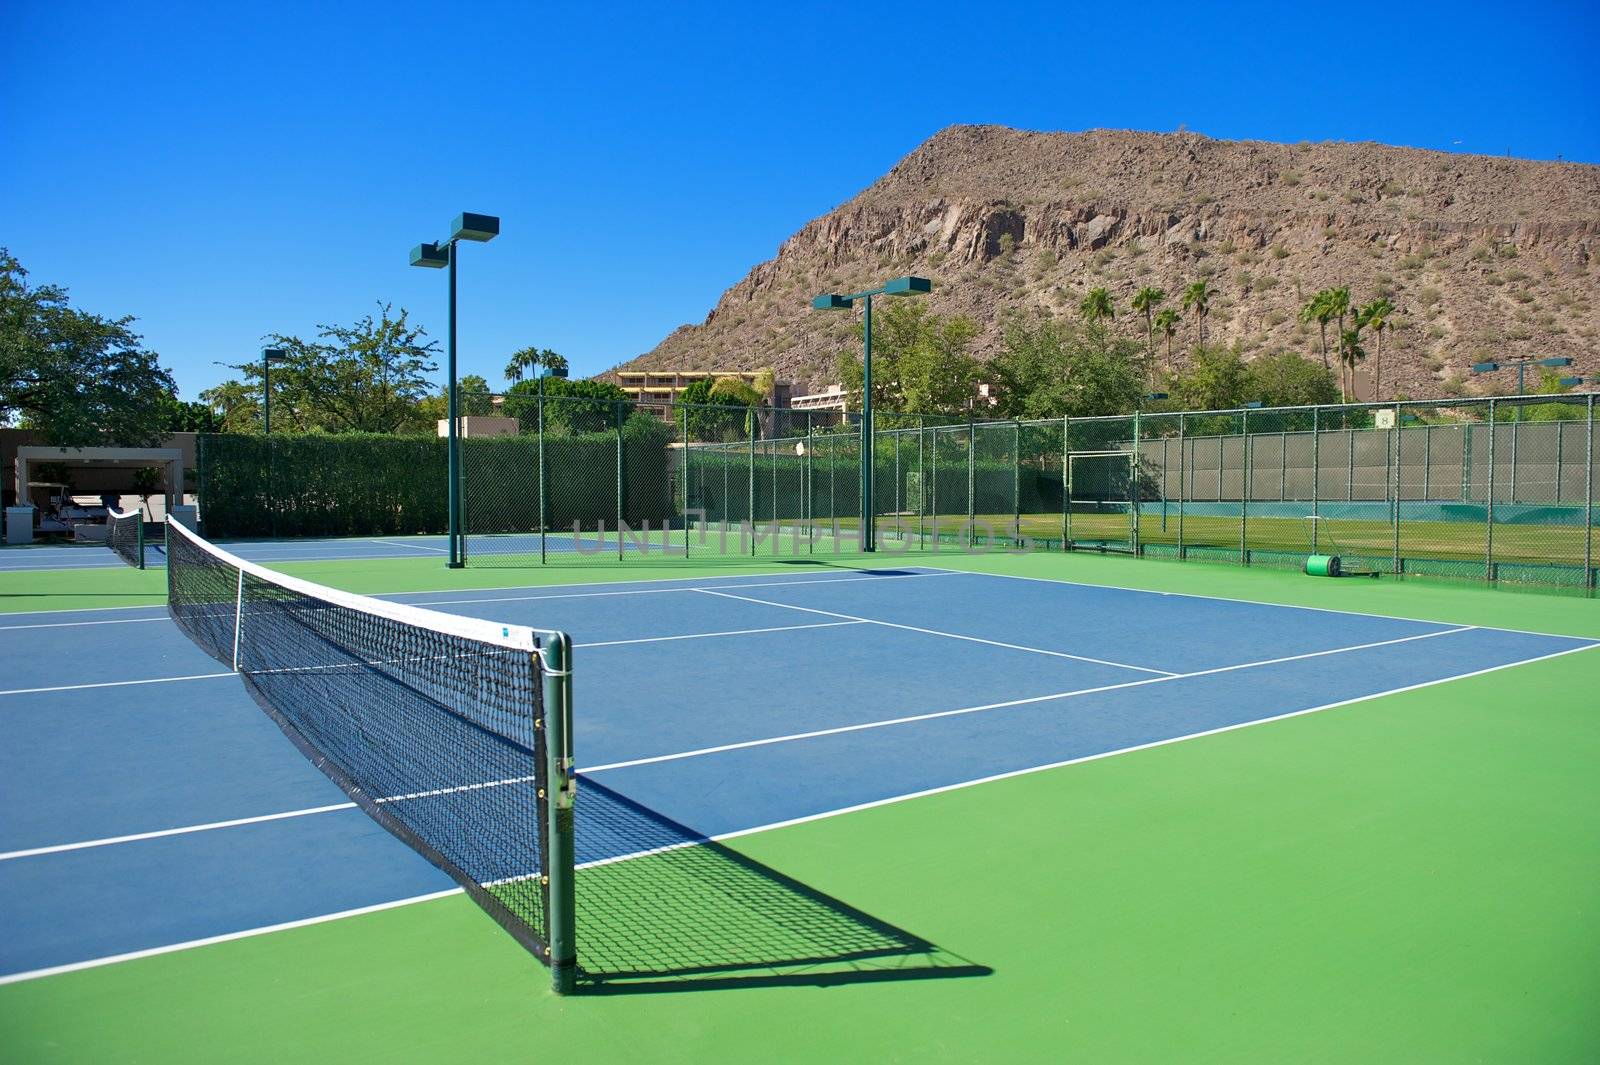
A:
[(806, 819), (861, 726), (668, 591), (690, 584), (936, 632), (856, 727), (705, 635), (412, 547), (75, 624), (227, 937), (1249, 602), (114, 683)]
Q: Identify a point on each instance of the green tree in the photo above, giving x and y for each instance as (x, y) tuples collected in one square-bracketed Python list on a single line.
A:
[(1350, 353), (713, 416), (364, 377), (921, 361), (1166, 323), (183, 417), (473, 400), (1289, 380), (1097, 306), (1048, 368), (1318, 309), (1197, 297), (1338, 306), (147, 481), (79, 378), (528, 360), (235, 406), (1550, 385), (1216, 378), (1145, 302), (571, 407), (1375, 316)]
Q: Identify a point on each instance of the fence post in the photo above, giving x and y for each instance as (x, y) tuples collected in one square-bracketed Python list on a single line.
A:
[(621, 415), (1283, 466), (544, 476), (683, 442), (1561, 437), (1183, 474), (750, 482), (1066, 481), (1350, 461), (1244, 489), (1588, 501), (1427, 461), (1488, 539), (1394, 487), (1515, 425), (1016, 482), (1133, 490), (1466, 462), (1316, 475), (972, 481)]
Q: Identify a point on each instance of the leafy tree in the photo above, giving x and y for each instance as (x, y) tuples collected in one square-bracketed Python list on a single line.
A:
[(185, 417), (1289, 380), (713, 416), (1145, 301), (528, 360), (920, 361), (1319, 309), (365, 377), (1216, 378), (146, 483), (1048, 368), (1375, 316), (1097, 306), (1198, 298), (79, 378), (235, 406), (571, 407), (473, 400), (1166, 323), (1550, 385)]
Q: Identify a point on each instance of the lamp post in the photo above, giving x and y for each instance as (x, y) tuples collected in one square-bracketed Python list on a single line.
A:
[(828, 301), (268, 357), (1522, 370), (437, 255)]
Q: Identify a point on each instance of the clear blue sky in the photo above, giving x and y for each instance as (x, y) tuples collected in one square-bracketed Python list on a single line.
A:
[(221, 171)]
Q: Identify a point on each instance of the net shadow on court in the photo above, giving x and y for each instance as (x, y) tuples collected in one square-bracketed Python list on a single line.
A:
[(686, 913)]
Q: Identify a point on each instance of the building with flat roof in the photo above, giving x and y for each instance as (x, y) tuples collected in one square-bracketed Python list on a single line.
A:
[(831, 398), (659, 389)]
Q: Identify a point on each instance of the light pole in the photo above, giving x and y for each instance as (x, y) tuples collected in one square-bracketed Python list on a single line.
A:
[(268, 357), (1522, 370), (900, 286), (467, 226)]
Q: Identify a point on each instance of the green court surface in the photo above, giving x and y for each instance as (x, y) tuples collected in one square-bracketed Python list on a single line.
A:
[(1408, 878)]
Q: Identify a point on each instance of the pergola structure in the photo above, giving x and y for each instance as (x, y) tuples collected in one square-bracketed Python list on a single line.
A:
[(170, 459)]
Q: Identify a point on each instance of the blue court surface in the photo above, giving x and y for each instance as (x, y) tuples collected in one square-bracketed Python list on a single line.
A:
[(146, 802)]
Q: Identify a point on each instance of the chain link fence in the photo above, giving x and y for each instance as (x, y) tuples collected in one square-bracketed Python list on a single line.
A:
[(1500, 491)]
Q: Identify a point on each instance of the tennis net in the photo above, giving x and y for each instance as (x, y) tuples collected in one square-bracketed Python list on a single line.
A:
[(451, 732), (125, 536)]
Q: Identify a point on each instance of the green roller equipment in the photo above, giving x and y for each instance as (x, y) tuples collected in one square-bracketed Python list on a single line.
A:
[(1322, 565)]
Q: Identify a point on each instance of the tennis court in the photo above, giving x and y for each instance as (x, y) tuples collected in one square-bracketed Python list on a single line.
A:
[(998, 804)]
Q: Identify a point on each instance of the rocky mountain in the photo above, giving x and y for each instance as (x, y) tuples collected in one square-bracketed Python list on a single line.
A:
[(1483, 257)]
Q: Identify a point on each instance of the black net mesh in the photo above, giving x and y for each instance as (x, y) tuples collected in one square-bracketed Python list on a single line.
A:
[(430, 722), (125, 536)]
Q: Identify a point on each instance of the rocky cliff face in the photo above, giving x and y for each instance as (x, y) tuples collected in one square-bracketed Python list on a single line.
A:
[(1483, 257)]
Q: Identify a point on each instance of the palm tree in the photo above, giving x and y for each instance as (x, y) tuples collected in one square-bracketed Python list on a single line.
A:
[(1350, 352), (1198, 295), (1097, 305), (1146, 300), (1375, 316), (1316, 310), (1166, 323), (530, 359)]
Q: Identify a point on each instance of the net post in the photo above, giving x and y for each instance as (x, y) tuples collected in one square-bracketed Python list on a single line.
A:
[(139, 535), (238, 611), (562, 787)]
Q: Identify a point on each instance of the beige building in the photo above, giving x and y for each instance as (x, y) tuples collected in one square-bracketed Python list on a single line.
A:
[(663, 387)]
